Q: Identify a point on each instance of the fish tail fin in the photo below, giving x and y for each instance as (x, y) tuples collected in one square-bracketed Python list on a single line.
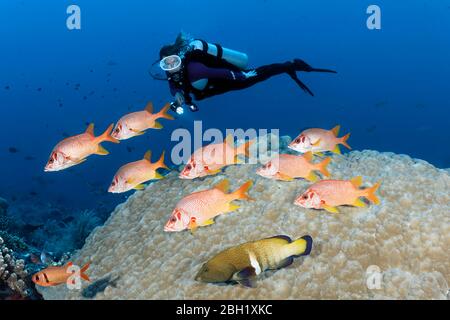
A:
[(83, 275), (241, 193), (106, 136), (322, 166), (163, 113), (369, 193), (160, 163), (344, 139), (244, 148), (302, 246)]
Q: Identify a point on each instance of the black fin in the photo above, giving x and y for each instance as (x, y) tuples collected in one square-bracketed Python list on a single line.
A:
[(294, 77), (281, 236), (286, 262), (323, 70), (309, 244), (246, 273), (249, 282)]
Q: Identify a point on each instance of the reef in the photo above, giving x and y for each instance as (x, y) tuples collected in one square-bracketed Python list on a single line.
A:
[(404, 242), (13, 276)]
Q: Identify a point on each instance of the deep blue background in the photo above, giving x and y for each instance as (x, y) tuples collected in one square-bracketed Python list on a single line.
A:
[(391, 91)]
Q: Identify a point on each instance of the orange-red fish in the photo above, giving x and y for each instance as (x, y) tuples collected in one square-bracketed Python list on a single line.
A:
[(54, 276), (135, 123), (74, 150), (319, 140), (134, 174), (287, 167), (200, 208), (329, 194), (210, 160)]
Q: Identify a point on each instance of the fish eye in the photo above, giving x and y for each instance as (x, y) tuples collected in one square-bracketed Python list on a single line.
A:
[(173, 219), (297, 140), (269, 165), (305, 196), (37, 278), (188, 167)]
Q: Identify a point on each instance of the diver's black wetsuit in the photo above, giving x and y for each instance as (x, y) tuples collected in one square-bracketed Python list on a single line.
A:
[(223, 77)]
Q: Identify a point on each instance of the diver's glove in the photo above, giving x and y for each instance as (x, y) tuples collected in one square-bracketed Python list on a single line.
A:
[(249, 74), (193, 107)]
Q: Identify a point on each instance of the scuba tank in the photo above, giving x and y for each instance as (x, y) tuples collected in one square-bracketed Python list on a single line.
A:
[(236, 58)]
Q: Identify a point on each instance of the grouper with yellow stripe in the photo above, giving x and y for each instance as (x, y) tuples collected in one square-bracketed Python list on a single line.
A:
[(245, 262)]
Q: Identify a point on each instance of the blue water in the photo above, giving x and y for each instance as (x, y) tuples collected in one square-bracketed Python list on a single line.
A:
[(391, 91)]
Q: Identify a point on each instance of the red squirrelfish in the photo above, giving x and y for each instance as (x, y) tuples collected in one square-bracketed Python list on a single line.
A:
[(319, 140)]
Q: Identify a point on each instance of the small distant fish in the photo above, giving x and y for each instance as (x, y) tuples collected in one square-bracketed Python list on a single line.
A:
[(39, 89), (99, 286), (91, 93), (135, 124), (54, 276), (74, 150), (33, 193), (319, 140), (287, 167), (13, 150), (245, 262), (211, 159), (134, 174), (329, 194), (91, 70), (29, 158), (200, 208), (7, 87), (84, 98), (129, 149)]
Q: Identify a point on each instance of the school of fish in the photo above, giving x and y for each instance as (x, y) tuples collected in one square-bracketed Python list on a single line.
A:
[(242, 263)]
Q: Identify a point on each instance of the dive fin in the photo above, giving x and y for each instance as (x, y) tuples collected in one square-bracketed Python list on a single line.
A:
[(294, 77)]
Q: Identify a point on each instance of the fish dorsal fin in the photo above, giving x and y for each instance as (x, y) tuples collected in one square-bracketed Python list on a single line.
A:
[(149, 107), (356, 181), (335, 130), (229, 140), (148, 156), (223, 185), (282, 237), (308, 156), (90, 129)]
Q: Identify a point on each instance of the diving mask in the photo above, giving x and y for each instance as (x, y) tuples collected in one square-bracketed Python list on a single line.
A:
[(171, 63)]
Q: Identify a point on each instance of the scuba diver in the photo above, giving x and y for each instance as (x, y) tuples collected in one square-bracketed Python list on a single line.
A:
[(195, 67)]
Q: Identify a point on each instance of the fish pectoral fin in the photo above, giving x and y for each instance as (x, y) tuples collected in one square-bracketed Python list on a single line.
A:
[(249, 282), (359, 203), (192, 225), (137, 132), (207, 223), (315, 144), (312, 177), (102, 151), (285, 177), (286, 262), (330, 208), (158, 125), (336, 149), (139, 187)]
